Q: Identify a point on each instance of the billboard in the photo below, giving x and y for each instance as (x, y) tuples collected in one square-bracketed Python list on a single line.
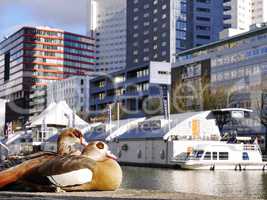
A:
[(160, 73)]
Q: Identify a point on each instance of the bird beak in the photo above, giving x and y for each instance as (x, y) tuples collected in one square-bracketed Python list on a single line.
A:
[(83, 142), (111, 155)]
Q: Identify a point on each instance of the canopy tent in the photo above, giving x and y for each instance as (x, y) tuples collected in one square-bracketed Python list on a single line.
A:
[(59, 114)]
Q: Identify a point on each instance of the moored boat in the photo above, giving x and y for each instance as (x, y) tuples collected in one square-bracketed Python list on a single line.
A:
[(222, 155)]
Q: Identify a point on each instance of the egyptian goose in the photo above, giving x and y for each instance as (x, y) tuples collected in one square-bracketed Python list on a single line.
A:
[(65, 146), (95, 169)]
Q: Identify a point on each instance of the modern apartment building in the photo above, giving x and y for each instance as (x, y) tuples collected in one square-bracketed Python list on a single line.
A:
[(204, 22), (151, 31), (74, 90), (107, 21), (33, 57), (240, 14), (235, 66)]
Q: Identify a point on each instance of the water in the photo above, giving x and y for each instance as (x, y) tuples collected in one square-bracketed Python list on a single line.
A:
[(249, 184)]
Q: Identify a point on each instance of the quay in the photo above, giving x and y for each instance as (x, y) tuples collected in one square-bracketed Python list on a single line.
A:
[(121, 194)]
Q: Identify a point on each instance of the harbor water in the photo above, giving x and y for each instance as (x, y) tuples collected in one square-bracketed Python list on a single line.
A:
[(242, 184)]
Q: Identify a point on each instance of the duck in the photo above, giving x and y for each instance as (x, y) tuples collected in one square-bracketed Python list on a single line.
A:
[(95, 169), (65, 146)]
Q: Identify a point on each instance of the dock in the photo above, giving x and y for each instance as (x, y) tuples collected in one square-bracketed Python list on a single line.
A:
[(121, 194)]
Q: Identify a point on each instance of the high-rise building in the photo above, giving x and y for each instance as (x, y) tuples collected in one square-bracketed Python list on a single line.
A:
[(181, 25), (240, 14), (204, 21), (151, 31), (107, 21), (74, 90), (33, 57)]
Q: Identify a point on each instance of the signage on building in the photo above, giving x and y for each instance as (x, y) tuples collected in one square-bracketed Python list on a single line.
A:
[(160, 73), (149, 125)]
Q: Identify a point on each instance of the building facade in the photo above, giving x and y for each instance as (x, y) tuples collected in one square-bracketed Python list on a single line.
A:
[(74, 90), (107, 22), (133, 88), (240, 14), (235, 66), (204, 22), (33, 57), (151, 31)]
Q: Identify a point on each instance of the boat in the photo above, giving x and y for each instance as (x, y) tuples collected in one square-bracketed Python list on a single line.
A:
[(223, 155)]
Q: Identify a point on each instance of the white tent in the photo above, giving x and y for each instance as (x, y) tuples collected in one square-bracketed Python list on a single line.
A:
[(59, 114)]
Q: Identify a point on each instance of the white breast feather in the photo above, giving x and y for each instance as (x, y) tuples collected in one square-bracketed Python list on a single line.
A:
[(77, 177)]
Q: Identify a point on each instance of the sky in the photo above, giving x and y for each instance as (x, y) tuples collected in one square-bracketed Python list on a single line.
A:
[(69, 15)]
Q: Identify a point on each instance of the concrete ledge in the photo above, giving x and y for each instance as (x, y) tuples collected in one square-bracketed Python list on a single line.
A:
[(120, 194)]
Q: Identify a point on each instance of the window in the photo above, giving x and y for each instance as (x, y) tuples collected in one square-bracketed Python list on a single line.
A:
[(207, 156), (135, 9), (206, 37), (199, 154), (203, 28), (146, 32), (245, 156), (146, 15), (146, 50), (146, 23), (223, 156), (146, 41), (214, 156), (7, 66), (163, 16), (203, 19), (135, 52), (203, 1), (203, 10), (135, 27), (146, 58), (164, 7), (135, 35), (146, 6), (81, 81), (155, 11)]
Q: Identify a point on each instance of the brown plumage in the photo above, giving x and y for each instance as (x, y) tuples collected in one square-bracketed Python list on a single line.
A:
[(96, 158), (65, 142)]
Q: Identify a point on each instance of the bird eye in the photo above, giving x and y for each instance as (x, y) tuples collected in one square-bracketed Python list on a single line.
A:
[(100, 145)]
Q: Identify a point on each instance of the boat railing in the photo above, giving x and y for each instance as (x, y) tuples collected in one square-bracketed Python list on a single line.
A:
[(264, 158), (250, 147)]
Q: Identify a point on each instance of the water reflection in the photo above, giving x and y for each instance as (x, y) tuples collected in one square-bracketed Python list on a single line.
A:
[(251, 184)]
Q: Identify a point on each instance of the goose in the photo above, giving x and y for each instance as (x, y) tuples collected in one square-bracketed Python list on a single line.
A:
[(95, 169), (65, 146)]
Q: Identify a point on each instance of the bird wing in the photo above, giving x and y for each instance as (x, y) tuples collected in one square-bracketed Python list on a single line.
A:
[(68, 170), (14, 161), (19, 171), (64, 164)]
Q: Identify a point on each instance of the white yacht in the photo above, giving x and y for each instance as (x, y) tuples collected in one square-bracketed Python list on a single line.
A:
[(222, 155)]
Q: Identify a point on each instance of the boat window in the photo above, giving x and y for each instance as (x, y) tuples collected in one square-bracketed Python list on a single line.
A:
[(207, 156), (199, 154), (245, 156), (214, 155), (223, 156)]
